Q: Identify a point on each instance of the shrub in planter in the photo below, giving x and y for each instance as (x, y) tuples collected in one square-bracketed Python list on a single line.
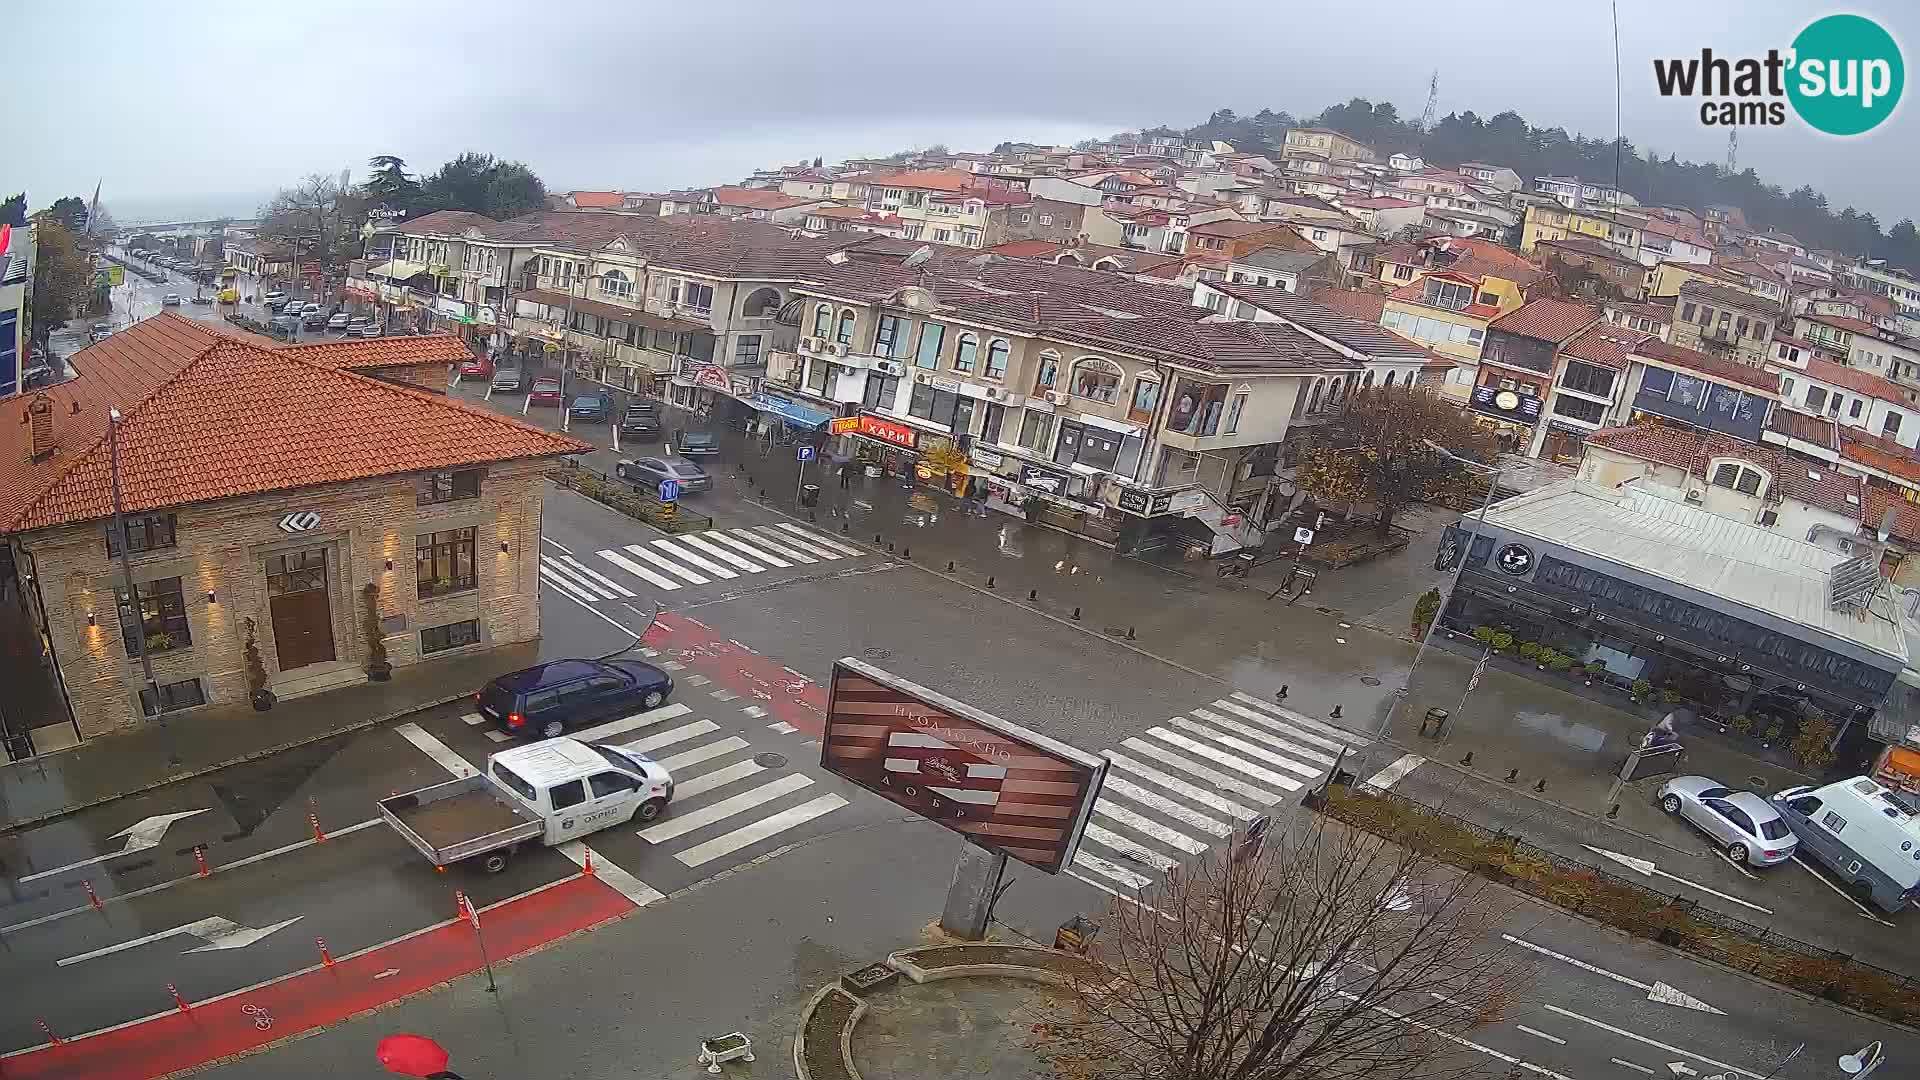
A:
[(1740, 724), (1641, 688), (1669, 695), (1501, 641), (1560, 662), (1530, 650), (256, 665), (378, 669), (1483, 635), (1596, 667), (1424, 610)]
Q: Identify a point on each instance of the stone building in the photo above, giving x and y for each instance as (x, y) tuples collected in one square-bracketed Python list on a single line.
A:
[(269, 494)]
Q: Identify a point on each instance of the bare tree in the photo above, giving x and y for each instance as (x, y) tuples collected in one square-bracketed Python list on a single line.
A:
[(1328, 954), (315, 218)]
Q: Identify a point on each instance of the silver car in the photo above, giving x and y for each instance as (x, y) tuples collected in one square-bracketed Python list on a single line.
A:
[(651, 471), (1745, 825)]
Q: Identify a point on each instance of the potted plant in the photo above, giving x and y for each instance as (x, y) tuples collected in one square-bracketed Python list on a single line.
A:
[(1560, 662), (1740, 724), (159, 641), (1483, 635), (256, 665), (378, 669), (1640, 688), (1501, 641), (1530, 650)]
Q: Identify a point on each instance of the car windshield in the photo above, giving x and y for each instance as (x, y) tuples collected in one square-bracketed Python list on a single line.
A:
[(545, 384), (1775, 829), (624, 759), (1714, 793), (696, 438)]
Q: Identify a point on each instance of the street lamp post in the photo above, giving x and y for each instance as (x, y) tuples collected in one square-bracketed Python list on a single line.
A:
[(1493, 473), (126, 583)]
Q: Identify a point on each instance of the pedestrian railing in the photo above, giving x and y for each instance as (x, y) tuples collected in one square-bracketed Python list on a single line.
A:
[(1676, 921), (629, 498)]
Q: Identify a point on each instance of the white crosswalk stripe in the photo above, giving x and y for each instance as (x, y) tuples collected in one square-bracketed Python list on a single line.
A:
[(608, 730), (557, 570), (1179, 789), (604, 581), (664, 563), (683, 823), (797, 542), (764, 829), (694, 557), (656, 580), (718, 552), (553, 578), (736, 544), (773, 544), (821, 539)]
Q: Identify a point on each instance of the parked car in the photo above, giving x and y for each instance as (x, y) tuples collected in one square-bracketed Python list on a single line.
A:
[(335, 322), (697, 444), (593, 407), (207, 300), (311, 306), (100, 332), (641, 420), (274, 298), (357, 321), (369, 330), (172, 299), (509, 377), (1745, 825), (477, 367), (651, 471), (560, 695), (546, 391), (1863, 834), (314, 320)]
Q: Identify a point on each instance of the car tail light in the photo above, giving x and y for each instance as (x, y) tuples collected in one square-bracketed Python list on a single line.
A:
[(1771, 854), (514, 719)]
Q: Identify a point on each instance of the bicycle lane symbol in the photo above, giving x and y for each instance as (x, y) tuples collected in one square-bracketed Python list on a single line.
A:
[(262, 1017)]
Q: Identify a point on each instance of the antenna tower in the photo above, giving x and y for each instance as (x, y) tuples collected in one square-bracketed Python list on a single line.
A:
[(1433, 101), (1733, 151)]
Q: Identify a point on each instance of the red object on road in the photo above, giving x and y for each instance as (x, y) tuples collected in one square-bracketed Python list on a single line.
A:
[(326, 957), (200, 857), (178, 1001), (92, 900), (411, 1055), (318, 836)]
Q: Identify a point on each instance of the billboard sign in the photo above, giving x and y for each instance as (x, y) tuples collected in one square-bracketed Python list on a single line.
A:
[(1003, 787)]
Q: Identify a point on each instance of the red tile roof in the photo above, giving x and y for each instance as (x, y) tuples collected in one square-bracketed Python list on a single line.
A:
[(207, 417), (1028, 249), (1232, 228), (1726, 371), (1883, 454), (1815, 430), (1854, 379), (926, 180), (1813, 483), (757, 198), (1357, 303), (1546, 320), (1842, 322), (383, 352), (446, 223), (1906, 516), (597, 200), (1589, 247), (1604, 344)]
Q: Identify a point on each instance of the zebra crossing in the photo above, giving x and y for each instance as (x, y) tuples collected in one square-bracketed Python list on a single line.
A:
[(690, 560), (724, 798), (1182, 787)]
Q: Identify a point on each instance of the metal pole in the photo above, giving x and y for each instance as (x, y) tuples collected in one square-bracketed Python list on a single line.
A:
[(1453, 585), (126, 583), (800, 480), (566, 355)]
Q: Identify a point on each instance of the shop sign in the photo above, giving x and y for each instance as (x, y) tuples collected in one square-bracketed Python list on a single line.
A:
[(709, 376), (1515, 559), (1134, 502), (447, 305), (1161, 504), (1183, 502), (487, 316), (843, 425), (1520, 408), (1052, 483), (888, 432), (945, 384), (988, 459)]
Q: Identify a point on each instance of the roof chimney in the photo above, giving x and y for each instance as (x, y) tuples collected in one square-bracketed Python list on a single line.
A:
[(40, 420)]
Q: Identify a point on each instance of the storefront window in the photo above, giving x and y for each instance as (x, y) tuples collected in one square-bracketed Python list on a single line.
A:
[(168, 697), (1197, 407), (1096, 379), (444, 562), (161, 622), (1035, 428), (927, 356), (880, 392), (1146, 394), (435, 639)]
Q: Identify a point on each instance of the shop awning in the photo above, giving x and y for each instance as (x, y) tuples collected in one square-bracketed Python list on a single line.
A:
[(791, 411), (397, 269), (559, 301)]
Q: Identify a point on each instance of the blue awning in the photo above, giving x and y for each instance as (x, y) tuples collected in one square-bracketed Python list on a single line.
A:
[(790, 411)]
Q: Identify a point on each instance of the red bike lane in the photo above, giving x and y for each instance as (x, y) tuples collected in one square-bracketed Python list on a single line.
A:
[(787, 695)]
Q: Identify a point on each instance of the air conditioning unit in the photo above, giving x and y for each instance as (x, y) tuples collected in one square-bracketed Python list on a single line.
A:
[(839, 349), (994, 393), (805, 344), (1056, 397), (1694, 495), (890, 367)]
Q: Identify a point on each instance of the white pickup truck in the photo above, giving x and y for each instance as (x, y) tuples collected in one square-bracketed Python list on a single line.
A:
[(550, 792)]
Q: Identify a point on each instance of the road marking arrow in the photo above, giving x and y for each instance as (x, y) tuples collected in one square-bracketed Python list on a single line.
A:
[(219, 933), (1656, 991), (1681, 1068), (1646, 867), (141, 835)]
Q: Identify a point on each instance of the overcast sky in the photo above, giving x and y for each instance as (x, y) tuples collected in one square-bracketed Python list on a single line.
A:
[(192, 109)]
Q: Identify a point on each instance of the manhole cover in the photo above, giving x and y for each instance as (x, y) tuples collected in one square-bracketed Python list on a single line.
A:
[(1324, 610), (876, 654), (1368, 680), (770, 761), (1758, 783)]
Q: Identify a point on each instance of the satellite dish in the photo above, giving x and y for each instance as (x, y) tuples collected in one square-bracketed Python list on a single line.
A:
[(920, 257)]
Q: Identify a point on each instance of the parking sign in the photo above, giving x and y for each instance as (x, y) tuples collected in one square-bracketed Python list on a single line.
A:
[(804, 453), (669, 490)]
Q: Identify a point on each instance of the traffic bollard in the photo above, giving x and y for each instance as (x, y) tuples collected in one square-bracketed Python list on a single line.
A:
[(1467, 762), (200, 857), (459, 904), (178, 1001), (989, 581), (1076, 614), (1336, 712), (1513, 775), (319, 837), (1280, 694), (906, 553), (326, 958), (1033, 594), (92, 900), (52, 1039), (1130, 633), (587, 866), (1541, 785), (949, 566)]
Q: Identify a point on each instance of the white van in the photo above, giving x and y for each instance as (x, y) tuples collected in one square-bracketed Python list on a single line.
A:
[(1868, 838)]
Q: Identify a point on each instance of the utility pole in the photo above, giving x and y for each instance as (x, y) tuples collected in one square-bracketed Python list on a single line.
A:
[(139, 638)]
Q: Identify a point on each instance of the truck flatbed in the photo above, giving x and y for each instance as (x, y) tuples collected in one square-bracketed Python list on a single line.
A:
[(458, 819)]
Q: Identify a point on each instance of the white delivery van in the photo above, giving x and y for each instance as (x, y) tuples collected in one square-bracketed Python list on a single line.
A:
[(550, 792), (1864, 835)]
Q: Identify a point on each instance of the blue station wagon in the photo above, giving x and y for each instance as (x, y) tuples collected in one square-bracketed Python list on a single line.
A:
[(558, 696)]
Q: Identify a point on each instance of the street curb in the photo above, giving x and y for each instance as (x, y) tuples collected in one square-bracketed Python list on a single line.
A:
[(254, 755)]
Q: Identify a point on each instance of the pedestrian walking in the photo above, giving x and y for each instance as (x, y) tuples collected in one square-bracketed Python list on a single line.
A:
[(846, 475)]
